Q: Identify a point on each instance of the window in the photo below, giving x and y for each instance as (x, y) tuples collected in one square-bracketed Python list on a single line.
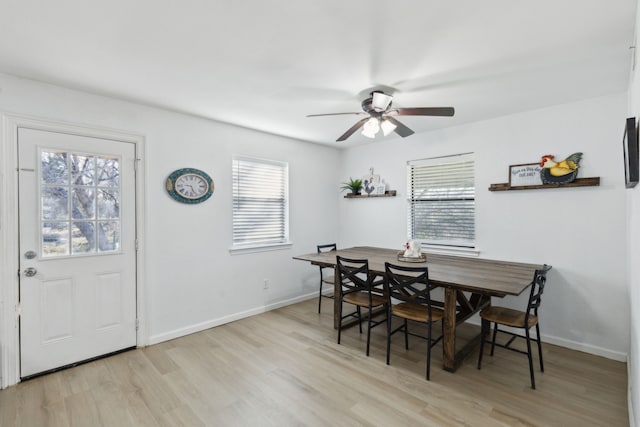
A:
[(441, 194), (260, 203), (79, 204)]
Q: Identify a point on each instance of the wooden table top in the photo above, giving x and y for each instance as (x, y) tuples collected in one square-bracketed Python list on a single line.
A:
[(497, 278)]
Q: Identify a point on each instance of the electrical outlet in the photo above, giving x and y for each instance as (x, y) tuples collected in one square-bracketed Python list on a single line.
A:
[(266, 284)]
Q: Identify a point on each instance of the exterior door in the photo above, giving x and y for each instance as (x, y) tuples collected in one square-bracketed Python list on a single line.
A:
[(77, 248)]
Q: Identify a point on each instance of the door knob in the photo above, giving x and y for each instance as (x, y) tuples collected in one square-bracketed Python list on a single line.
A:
[(30, 272)]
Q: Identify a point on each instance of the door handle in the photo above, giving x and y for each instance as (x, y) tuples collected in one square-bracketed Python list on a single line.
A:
[(30, 272)]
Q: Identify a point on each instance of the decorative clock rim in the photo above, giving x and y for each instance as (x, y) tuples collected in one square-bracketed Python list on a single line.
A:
[(171, 181)]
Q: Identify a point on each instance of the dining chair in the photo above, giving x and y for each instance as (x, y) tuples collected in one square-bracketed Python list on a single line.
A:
[(357, 288), (517, 319), (326, 276), (410, 287)]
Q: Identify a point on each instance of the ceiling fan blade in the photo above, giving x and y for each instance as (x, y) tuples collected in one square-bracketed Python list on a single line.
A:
[(352, 129), (400, 129), (335, 114), (424, 111)]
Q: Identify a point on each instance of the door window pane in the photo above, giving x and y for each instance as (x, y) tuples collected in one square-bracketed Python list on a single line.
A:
[(83, 169), (83, 203), (108, 236), (108, 204), (83, 238), (55, 203), (108, 172), (54, 168), (55, 238)]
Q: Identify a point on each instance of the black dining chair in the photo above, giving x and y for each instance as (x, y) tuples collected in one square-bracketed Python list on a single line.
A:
[(357, 288), (410, 287), (326, 273), (517, 319)]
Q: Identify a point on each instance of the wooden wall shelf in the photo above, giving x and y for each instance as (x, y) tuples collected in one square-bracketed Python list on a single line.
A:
[(579, 182), (390, 193)]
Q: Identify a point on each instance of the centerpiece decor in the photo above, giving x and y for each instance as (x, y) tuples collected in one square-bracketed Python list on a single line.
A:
[(412, 252)]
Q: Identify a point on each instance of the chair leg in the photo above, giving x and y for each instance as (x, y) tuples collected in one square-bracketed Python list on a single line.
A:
[(388, 332), (428, 350), (533, 382), (484, 331), (539, 346), (359, 317), (493, 341), (406, 334), (339, 319), (368, 330), (320, 297)]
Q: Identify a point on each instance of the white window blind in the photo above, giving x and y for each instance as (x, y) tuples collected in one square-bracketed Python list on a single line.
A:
[(441, 194), (260, 202)]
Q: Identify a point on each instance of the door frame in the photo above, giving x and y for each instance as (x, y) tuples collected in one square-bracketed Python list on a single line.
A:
[(9, 235)]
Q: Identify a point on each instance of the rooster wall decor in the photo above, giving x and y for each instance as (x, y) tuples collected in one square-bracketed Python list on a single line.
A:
[(559, 172)]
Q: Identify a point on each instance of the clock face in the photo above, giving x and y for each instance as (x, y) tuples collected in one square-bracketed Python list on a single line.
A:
[(189, 185)]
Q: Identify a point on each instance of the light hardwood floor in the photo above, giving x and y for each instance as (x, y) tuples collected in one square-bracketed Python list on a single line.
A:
[(284, 368)]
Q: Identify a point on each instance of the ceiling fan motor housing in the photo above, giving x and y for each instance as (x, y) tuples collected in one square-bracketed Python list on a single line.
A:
[(367, 105)]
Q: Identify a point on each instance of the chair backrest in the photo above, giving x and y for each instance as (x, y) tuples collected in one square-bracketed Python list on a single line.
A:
[(537, 288), (328, 247), (353, 275), (408, 284)]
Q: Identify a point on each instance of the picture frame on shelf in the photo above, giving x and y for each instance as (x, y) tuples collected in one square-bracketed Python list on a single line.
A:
[(380, 189), (525, 174)]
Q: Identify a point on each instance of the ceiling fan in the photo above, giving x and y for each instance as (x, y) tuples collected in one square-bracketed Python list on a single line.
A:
[(382, 117)]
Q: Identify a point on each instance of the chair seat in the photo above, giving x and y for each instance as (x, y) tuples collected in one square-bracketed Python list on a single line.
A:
[(362, 299), (416, 312), (507, 316)]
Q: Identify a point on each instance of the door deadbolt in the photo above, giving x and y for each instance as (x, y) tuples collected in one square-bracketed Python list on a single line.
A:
[(30, 255), (30, 272)]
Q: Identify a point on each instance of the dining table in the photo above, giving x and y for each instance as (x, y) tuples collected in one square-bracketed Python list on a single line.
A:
[(468, 284)]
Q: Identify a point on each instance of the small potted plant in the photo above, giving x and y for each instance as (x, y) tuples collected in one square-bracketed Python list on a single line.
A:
[(353, 184)]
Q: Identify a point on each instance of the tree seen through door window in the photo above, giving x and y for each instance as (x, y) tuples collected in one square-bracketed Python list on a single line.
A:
[(80, 203)]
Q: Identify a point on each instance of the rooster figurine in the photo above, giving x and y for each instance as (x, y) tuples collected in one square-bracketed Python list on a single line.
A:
[(553, 172)]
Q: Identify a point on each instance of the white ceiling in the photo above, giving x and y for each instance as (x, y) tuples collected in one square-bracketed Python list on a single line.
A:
[(267, 64)]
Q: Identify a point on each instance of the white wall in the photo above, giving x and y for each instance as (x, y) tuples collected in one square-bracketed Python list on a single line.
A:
[(633, 267), (192, 280), (581, 232)]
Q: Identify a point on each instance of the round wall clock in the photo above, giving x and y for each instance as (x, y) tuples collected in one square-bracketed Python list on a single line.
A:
[(189, 185)]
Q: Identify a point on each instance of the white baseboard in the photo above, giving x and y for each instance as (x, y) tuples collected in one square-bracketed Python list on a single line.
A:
[(575, 345), (586, 348), (177, 333)]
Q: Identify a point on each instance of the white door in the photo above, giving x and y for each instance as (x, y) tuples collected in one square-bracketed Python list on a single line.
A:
[(77, 248)]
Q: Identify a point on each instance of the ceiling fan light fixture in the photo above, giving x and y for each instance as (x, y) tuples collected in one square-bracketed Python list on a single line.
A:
[(371, 127), (387, 127), (380, 101)]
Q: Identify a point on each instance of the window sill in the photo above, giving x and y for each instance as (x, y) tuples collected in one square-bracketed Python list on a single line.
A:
[(450, 250), (249, 249)]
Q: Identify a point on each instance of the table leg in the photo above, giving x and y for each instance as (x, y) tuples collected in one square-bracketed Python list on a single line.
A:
[(336, 297), (449, 330)]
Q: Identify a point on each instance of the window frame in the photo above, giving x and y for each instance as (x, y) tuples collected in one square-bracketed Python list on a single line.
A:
[(463, 246), (249, 247)]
